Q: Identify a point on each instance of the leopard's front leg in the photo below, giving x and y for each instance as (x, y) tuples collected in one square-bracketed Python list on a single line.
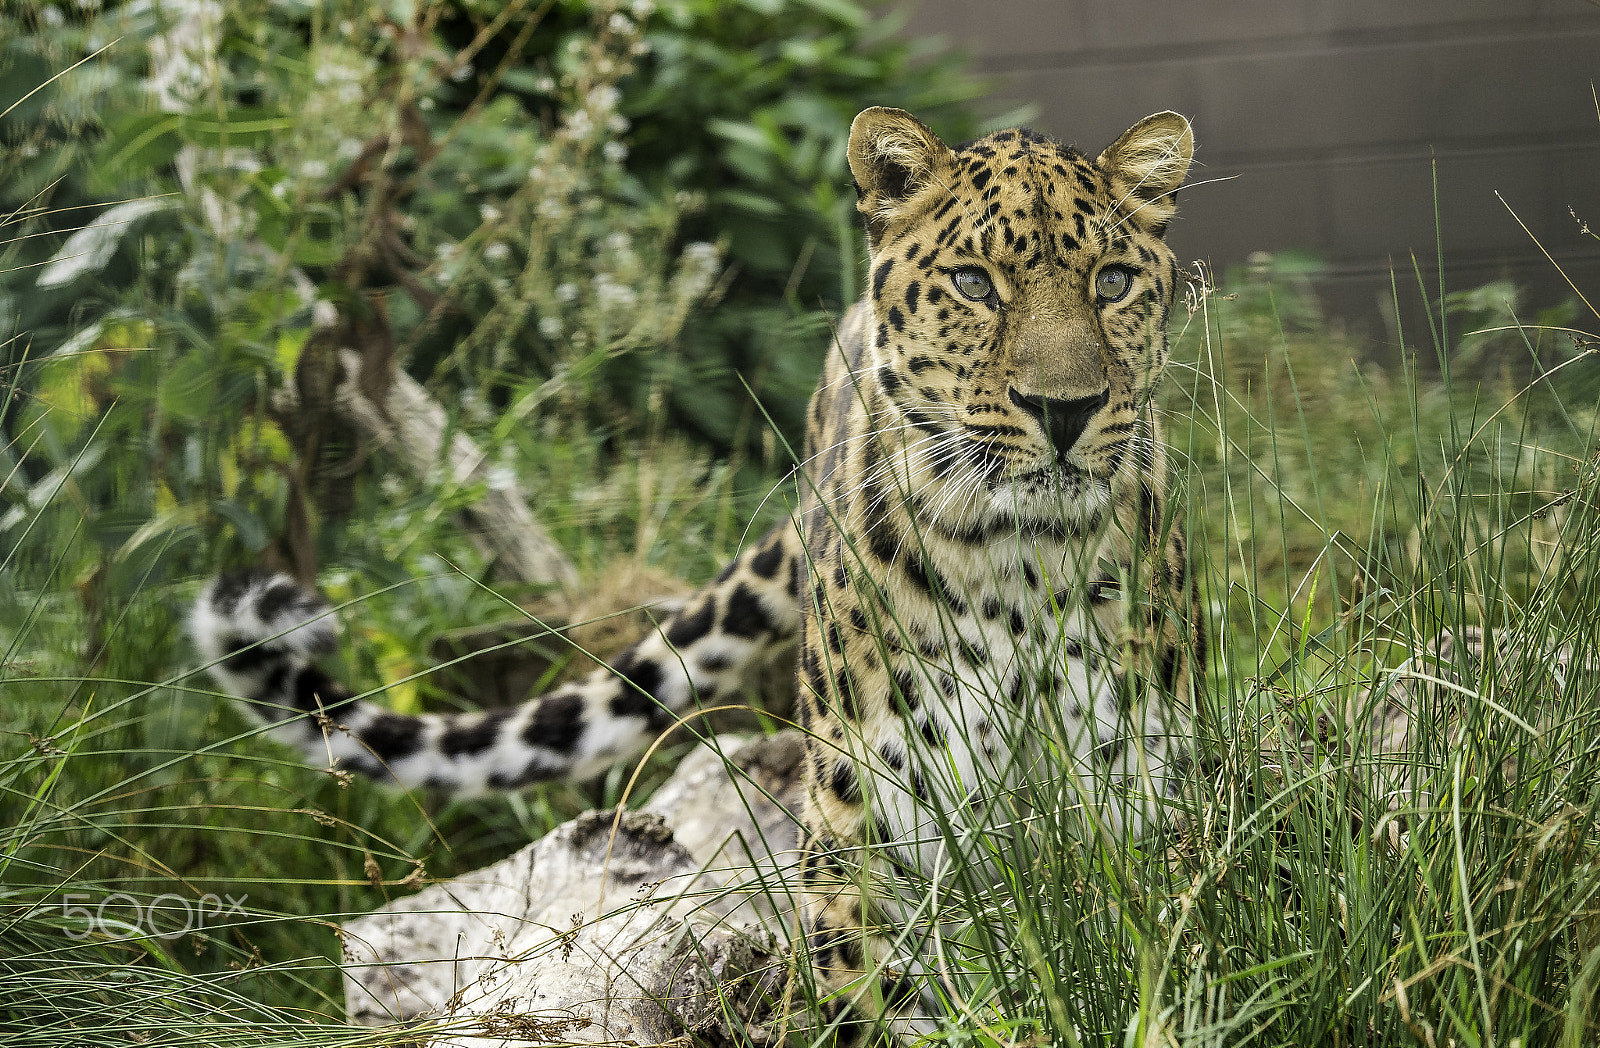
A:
[(851, 947)]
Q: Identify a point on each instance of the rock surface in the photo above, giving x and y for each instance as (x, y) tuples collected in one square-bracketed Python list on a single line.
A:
[(610, 929)]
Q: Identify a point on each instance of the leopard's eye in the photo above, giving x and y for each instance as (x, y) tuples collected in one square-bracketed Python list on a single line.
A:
[(1111, 284), (973, 282)]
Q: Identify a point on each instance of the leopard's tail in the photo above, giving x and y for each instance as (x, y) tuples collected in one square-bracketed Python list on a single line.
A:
[(260, 634)]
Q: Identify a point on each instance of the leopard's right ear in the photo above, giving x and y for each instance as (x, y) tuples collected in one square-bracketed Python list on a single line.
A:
[(893, 157)]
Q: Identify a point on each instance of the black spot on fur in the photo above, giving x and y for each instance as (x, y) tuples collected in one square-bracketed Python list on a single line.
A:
[(845, 943), (1111, 750), (468, 740), (889, 380), (1149, 512), (315, 691), (924, 575), (845, 687), (640, 679), (1102, 591), (768, 561), (931, 731), (906, 686), (281, 596), (844, 783), (879, 275), (231, 586), (557, 723), (811, 674), (899, 989), (392, 736), (272, 691), (686, 629), (243, 655), (746, 616), (892, 756)]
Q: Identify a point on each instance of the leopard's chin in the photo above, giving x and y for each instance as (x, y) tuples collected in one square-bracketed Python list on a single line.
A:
[(1058, 492)]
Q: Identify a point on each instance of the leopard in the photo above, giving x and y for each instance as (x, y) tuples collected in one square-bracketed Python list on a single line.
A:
[(985, 563)]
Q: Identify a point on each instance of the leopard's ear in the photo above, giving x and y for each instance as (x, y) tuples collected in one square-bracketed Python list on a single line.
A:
[(1147, 165), (893, 157)]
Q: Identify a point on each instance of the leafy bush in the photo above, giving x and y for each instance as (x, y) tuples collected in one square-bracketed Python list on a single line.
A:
[(519, 204)]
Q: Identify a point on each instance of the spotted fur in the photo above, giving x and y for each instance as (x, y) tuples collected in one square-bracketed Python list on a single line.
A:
[(985, 565)]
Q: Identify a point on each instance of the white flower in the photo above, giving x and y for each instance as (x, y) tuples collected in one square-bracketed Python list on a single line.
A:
[(51, 17), (314, 169), (618, 23), (612, 295), (615, 152), (500, 478), (697, 268), (472, 406), (701, 255), (642, 9), (461, 72), (550, 327), (544, 85), (580, 123), (498, 251), (619, 241), (604, 98), (567, 292), (488, 212), (617, 124)]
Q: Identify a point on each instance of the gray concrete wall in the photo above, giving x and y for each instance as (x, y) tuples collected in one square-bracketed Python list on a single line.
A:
[(1330, 118)]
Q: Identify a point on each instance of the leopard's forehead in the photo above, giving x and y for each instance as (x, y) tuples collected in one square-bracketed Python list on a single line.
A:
[(1019, 197)]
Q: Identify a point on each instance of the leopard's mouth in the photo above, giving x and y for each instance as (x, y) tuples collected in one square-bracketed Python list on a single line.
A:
[(1056, 474)]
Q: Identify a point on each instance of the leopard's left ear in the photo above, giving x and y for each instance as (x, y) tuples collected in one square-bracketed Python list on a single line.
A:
[(1147, 165), (893, 157)]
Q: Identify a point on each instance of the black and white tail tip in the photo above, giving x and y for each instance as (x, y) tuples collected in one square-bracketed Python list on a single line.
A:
[(258, 631)]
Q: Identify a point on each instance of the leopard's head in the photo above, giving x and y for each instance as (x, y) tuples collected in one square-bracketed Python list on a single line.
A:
[(1020, 293)]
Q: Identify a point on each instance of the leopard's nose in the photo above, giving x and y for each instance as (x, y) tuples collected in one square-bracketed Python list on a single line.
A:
[(1063, 420)]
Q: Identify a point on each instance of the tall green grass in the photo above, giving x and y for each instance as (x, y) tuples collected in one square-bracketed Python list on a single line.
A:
[(1308, 888), (1331, 876)]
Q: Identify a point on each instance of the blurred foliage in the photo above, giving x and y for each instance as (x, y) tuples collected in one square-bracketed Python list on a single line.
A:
[(526, 205)]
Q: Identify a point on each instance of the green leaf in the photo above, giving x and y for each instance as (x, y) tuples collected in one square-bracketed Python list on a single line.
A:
[(252, 532), (137, 145)]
